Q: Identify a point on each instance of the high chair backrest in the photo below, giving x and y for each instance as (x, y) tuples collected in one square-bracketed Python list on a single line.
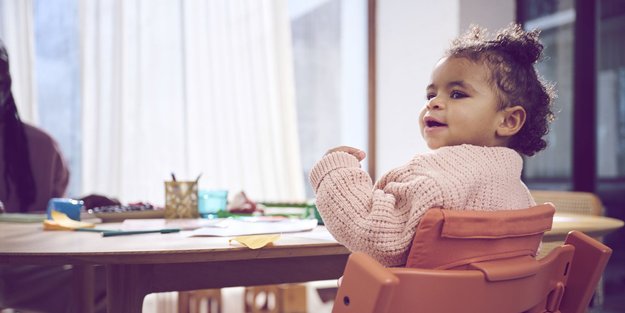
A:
[(560, 282), (451, 239)]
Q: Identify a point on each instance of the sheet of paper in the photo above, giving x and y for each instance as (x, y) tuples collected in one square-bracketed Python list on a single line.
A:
[(183, 223), (317, 235), (242, 228)]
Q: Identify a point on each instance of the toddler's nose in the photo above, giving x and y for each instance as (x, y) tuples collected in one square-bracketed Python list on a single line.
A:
[(434, 104)]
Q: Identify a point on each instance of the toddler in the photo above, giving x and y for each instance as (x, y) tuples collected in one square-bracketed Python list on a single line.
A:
[(485, 106)]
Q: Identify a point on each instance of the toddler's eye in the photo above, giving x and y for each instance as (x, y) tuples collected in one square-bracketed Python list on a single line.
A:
[(429, 96), (457, 94)]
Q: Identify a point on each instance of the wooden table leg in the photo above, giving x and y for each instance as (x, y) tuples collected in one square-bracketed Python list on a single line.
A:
[(126, 286), (84, 280)]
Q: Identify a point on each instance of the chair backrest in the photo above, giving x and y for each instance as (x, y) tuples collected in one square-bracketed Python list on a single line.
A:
[(450, 239), (561, 282), (577, 202)]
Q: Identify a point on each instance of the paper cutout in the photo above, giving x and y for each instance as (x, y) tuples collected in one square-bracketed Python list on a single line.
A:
[(241, 228), (60, 221), (256, 241), (181, 223)]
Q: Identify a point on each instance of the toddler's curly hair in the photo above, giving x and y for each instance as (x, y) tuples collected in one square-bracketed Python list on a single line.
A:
[(511, 56)]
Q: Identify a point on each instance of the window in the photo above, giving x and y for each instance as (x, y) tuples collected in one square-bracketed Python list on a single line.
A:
[(329, 40), (57, 71), (557, 20), (611, 92), (330, 55), (587, 151)]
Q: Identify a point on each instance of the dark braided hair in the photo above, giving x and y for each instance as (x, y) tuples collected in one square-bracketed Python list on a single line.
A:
[(511, 56), (15, 150)]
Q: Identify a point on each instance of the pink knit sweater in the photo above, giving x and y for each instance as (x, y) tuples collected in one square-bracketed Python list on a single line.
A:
[(381, 219)]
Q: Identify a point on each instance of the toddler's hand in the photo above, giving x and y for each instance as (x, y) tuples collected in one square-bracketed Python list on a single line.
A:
[(359, 154)]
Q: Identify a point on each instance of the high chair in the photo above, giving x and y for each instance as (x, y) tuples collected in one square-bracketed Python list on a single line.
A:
[(478, 262)]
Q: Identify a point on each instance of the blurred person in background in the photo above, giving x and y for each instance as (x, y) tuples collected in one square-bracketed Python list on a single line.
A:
[(32, 170)]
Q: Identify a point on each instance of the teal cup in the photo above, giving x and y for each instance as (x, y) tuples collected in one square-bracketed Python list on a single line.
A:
[(212, 201)]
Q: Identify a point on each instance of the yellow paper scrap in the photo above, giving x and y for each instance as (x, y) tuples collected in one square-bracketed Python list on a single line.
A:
[(60, 221), (256, 241)]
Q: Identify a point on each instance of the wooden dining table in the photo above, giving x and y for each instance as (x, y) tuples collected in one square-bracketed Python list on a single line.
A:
[(592, 225), (137, 265)]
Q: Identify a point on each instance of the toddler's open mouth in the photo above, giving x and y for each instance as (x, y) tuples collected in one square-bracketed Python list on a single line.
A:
[(433, 123)]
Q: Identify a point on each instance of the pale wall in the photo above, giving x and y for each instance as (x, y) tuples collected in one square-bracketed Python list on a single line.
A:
[(412, 35)]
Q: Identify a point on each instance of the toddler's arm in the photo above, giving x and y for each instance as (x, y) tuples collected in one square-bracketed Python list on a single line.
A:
[(364, 218)]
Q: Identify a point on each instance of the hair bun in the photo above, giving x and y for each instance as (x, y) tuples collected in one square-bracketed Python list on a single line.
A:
[(521, 45)]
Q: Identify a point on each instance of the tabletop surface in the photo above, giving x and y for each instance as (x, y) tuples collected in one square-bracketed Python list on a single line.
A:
[(592, 225), (28, 242)]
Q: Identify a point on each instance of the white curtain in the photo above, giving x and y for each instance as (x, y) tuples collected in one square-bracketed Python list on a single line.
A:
[(16, 31), (188, 87)]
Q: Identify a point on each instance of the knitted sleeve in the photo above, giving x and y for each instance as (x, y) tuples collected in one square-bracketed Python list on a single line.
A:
[(379, 221)]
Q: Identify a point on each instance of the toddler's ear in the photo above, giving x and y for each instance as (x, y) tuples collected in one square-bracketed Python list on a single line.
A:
[(513, 120)]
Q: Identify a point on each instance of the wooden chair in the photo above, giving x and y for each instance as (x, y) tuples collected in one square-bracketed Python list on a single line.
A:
[(191, 301), (484, 262), (584, 203), (282, 298)]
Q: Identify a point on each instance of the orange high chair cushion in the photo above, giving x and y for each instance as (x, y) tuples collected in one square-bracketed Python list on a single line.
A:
[(451, 239)]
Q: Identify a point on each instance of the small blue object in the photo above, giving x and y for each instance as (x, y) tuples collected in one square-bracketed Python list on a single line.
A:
[(68, 206), (212, 201)]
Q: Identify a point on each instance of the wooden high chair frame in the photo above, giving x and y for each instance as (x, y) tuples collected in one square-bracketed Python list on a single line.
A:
[(500, 281)]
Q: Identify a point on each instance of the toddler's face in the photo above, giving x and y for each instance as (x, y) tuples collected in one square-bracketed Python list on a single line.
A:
[(461, 107)]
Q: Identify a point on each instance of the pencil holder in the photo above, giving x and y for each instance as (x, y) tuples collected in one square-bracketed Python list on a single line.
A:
[(181, 199)]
